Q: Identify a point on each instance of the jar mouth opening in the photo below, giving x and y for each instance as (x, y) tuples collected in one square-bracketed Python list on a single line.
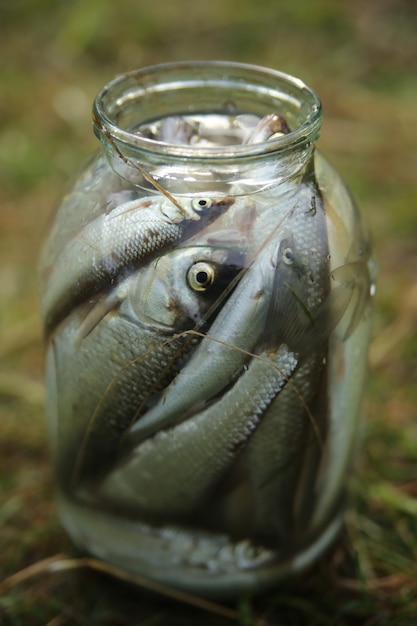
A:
[(154, 92)]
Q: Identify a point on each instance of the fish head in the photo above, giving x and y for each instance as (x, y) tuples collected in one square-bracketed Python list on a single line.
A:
[(200, 208), (182, 288)]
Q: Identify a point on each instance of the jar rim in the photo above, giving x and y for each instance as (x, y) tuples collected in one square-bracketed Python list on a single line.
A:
[(139, 83)]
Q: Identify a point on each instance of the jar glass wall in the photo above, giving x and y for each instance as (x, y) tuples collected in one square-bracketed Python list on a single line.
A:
[(206, 291)]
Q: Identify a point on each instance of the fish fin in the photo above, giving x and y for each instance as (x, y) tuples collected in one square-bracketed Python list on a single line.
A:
[(290, 320), (95, 312), (342, 309), (354, 278)]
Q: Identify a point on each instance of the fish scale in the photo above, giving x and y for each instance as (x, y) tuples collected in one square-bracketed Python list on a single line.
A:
[(276, 452), (170, 473), (108, 389)]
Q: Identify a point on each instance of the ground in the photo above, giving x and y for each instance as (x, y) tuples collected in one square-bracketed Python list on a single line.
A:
[(361, 59)]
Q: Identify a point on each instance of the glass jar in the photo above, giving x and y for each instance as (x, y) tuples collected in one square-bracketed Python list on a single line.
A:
[(206, 291)]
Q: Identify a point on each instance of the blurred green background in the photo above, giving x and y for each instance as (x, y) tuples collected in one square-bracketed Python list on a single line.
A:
[(361, 58)]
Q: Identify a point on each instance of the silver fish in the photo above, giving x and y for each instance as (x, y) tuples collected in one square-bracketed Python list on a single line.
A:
[(200, 422), (112, 357), (269, 127), (171, 473), (117, 240), (257, 312), (278, 453), (215, 129)]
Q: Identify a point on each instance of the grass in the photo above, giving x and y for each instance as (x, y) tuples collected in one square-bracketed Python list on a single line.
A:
[(360, 57)]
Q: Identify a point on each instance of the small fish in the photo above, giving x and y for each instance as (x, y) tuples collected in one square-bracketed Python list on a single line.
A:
[(117, 241), (216, 130), (271, 126), (258, 312), (200, 450), (236, 331), (114, 356), (278, 452), (177, 129)]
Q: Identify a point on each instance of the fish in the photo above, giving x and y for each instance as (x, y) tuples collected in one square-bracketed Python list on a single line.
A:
[(176, 129), (215, 130), (176, 455), (256, 311), (114, 242), (352, 275), (269, 127), (171, 472), (111, 357), (276, 456)]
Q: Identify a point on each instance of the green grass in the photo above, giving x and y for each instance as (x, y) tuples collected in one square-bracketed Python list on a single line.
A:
[(361, 58)]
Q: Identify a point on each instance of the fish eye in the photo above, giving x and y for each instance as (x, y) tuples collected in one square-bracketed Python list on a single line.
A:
[(288, 256), (201, 203), (201, 276)]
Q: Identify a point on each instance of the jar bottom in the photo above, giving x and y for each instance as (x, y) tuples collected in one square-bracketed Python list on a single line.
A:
[(184, 561)]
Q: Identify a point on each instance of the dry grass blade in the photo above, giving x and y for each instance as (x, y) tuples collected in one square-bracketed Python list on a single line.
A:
[(390, 583), (40, 567), (62, 563), (154, 183)]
